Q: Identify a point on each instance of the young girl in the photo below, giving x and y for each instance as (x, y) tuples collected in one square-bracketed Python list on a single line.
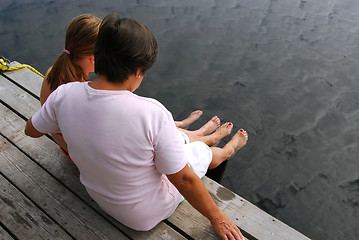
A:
[(131, 158), (76, 62)]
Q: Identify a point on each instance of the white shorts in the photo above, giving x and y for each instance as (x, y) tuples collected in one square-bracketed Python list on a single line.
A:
[(198, 154)]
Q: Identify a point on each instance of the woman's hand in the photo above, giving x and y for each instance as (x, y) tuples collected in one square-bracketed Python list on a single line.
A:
[(225, 227)]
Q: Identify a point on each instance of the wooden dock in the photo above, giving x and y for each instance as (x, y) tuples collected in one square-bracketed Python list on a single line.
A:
[(41, 196)]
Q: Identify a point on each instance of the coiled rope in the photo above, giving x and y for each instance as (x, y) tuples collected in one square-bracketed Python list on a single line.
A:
[(4, 66)]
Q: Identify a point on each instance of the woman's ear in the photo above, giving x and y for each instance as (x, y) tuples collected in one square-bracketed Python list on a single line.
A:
[(139, 73)]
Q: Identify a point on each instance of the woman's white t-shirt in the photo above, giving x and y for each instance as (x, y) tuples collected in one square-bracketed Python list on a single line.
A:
[(123, 145)]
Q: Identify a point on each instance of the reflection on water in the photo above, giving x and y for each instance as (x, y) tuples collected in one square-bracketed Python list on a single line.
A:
[(285, 70)]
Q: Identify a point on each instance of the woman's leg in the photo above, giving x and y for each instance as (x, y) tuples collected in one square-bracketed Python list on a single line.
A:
[(219, 155)]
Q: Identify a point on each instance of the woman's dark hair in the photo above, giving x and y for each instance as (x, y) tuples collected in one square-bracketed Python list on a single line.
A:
[(124, 45)]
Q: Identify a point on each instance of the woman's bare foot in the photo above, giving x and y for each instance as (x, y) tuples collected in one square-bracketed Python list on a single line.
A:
[(221, 132), (209, 127), (188, 121), (237, 142)]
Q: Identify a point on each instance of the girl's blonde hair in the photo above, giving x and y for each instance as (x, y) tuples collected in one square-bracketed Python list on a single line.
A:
[(81, 35)]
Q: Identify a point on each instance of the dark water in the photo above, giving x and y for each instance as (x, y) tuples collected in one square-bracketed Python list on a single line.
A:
[(285, 70)]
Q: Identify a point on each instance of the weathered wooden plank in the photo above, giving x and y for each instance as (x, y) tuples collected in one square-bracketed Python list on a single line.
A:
[(254, 221), (26, 78), (249, 217), (47, 154), (16, 98), (4, 235), (76, 217), (23, 219), (197, 225)]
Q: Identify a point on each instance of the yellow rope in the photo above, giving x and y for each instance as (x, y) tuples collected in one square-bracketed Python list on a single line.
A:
[(4, 66)]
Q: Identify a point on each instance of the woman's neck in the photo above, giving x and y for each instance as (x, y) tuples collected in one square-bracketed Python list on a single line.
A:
[(101, 83)]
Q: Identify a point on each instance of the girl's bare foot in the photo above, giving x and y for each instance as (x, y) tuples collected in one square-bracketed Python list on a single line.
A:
[(221, 132), (237, 142), (188, 121), (209, 127)]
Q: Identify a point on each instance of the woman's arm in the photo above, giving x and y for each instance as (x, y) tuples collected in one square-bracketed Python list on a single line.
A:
[(194, 191)]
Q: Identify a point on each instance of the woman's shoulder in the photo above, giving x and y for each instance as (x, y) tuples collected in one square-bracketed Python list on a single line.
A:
[(153, 106), (151, 102)]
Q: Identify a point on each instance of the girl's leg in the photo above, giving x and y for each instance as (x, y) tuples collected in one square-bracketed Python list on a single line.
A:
[(209, 140), (209, 127), (206, 129), (219, 155), (189, 120)]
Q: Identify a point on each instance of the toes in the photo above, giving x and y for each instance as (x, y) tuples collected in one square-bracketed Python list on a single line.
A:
[(198, 112), (229, 126), (243, 133), (216, 120)]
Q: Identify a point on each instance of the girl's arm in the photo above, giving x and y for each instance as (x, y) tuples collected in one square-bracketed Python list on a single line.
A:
[(44, 94), (31, 131), (45, 88)]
